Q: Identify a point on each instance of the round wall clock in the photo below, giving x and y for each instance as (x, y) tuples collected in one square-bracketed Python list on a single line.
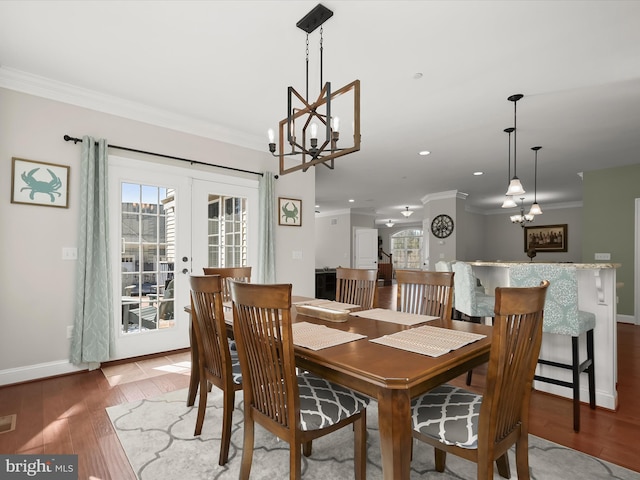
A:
[(442, 226)]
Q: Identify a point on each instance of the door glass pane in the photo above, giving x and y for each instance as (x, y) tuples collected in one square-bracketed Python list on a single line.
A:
[(227, 242), (148, 257)]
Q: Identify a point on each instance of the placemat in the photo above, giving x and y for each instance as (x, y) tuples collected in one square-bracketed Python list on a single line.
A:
[(330, 304), (393, 316), (428, 340), (317, 337)]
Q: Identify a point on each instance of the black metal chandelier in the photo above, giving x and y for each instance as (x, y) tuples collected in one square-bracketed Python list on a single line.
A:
[(306, 119)]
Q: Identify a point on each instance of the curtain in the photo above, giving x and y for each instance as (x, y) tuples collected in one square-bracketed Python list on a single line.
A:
[(92, 339), (267, 212)]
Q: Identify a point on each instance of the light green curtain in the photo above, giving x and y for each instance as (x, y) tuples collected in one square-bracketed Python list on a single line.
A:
[(267, 212), (92, 338)]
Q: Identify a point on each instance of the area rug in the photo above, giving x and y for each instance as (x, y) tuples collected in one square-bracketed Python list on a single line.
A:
[(157, 436)]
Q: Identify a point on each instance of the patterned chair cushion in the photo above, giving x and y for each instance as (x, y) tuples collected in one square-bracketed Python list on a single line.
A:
[(561, 314), (323, 403), (448, 414), (236, 374)]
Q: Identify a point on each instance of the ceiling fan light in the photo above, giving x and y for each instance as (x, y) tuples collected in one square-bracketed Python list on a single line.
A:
[(515, 187), (509, 202), (535, 209)]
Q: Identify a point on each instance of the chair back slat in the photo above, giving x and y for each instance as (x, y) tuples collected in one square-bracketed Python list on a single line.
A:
[(515, 345), (262, 328), (425, 293), (208, 319), (357, 286), (240, 274)]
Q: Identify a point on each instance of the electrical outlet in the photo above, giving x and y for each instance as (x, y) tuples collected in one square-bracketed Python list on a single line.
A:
[(69, 331), (69, 253), (603, 256)]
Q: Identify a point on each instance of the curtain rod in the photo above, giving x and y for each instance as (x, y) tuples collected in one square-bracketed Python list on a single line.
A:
[(75, 140)]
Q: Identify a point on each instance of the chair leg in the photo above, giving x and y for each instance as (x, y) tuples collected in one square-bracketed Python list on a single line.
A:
[(469, 375), (306, 448), (202, 405), (227, 412), (295, 461), (576, 383), (522, 457), (247, 453), (440, 459), (503, 466), (592, 370)]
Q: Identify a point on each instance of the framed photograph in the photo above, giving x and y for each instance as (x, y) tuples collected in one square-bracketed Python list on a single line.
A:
[(39, 183), (289, 212), (546, 238)]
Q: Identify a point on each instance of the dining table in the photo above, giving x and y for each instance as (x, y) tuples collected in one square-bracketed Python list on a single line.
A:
[(392, 376)]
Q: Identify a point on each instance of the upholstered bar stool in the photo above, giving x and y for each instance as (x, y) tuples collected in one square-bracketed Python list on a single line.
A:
[(562, 317)]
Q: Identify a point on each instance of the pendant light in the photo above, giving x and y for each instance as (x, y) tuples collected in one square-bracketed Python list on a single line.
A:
[(515, 187), (509, 202), (535, 208), (389, 223), (407, 213)]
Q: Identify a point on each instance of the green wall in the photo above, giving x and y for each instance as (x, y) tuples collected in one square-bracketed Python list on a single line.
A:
[(609, 223)]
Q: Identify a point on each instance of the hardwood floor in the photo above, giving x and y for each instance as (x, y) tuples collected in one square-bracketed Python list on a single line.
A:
[(67, 414)]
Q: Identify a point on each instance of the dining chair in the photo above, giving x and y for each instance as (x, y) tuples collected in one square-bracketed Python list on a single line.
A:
[(357, 286), (482, 428), (242, 274), (562, 317), (297, 408), (217, 364), (425, 293)]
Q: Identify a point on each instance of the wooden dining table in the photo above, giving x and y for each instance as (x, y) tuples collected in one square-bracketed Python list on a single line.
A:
[(391, 376)]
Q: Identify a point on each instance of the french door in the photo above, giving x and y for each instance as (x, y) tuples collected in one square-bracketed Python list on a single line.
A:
[(164, 226)]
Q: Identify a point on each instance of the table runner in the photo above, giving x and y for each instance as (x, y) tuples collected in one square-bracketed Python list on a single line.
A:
[(317, 337), (428, 340), (393, 316)]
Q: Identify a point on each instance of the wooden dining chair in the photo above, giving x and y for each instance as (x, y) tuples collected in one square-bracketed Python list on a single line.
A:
[(242, 274), (425, 293), (357, 286), (482, 428), (217, 365), (296, 408)]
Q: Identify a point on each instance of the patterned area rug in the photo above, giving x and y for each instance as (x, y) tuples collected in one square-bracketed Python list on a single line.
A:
[(157, 436)]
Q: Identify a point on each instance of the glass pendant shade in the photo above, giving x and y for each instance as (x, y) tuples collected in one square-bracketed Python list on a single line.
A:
[(535, 209), (407, 212), (509, 202), (515, 187)]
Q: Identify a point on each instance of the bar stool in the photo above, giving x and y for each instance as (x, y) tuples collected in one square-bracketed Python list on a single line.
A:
[(562, 317)]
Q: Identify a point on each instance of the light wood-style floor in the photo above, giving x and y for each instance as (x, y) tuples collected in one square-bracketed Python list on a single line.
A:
[(67, 414)]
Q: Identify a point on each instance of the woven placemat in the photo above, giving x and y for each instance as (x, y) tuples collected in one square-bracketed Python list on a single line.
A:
[(402, 318), (428, 340), (317, 337)]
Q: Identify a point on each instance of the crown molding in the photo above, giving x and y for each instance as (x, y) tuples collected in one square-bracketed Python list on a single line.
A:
[(444, 196), (24, 82)]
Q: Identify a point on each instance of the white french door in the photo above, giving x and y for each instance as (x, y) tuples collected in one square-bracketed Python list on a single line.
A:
[(165, 226)]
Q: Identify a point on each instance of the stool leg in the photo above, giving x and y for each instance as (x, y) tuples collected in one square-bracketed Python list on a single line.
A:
[(575, 368), (592, 370)]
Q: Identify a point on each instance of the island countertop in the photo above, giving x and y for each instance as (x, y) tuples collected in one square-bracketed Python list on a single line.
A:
[(509, 263)]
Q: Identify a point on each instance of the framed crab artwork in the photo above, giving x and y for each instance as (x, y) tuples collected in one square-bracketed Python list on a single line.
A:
[(39, 183), (289, 212)]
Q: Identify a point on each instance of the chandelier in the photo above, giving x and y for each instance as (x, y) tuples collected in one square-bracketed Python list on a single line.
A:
[(522, 219), (306, 119)]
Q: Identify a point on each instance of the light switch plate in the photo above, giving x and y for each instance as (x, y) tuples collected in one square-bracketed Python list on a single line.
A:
[(69, 253), (603, 256)]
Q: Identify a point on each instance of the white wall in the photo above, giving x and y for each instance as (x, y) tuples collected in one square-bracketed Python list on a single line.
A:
[(37, 285), (333, 239)]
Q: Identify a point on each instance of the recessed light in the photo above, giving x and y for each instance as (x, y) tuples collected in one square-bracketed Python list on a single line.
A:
[(351, 200), (477, 174), (424, 152)]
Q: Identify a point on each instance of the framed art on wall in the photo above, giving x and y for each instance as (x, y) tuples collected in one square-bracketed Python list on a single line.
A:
[(39, 183), (546, 238), (289, 212)]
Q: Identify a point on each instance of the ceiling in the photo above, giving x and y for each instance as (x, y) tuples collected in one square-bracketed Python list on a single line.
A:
[(227, 65)]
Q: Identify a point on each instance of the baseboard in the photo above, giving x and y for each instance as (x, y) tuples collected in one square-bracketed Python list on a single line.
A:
[(38, 371), (626, 319)]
